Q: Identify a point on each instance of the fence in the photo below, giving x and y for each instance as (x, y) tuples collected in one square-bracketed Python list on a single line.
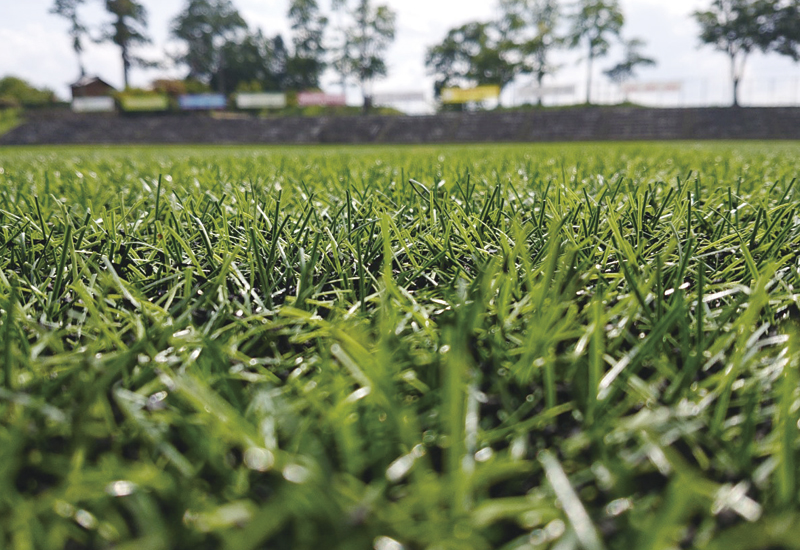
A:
[(774, 91)]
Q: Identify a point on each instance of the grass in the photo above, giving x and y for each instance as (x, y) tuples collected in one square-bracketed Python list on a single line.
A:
[(584, 346), (9, 119)]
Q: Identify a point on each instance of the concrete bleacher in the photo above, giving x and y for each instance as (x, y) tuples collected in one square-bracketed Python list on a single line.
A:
[(572, 124)]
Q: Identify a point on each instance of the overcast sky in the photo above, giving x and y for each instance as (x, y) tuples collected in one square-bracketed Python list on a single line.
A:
[(35, 46)]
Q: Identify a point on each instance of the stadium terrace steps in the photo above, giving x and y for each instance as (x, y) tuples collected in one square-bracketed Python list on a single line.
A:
[(569, 124)]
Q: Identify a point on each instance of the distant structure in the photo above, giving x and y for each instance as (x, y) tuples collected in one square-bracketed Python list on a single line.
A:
[(91, 86)]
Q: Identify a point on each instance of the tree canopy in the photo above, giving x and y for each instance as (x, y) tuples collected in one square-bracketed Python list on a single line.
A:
[(205, 26), (593, 26), (127, 30), (530, 28), (740, 27), (634, 58), (305, 66), (364, 41), (68, 9), (472, 54), (17, 92)]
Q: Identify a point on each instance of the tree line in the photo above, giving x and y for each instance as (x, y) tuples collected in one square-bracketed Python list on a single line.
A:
[(220, 50), (351, 37)]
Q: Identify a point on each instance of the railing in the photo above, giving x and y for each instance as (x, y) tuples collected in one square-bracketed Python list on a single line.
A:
[(775, 91)]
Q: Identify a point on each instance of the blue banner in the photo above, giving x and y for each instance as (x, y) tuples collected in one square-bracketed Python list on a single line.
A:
[(202, 102)]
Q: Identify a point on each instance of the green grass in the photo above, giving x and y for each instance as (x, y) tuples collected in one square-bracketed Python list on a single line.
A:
[(583, 346), (9, 119)]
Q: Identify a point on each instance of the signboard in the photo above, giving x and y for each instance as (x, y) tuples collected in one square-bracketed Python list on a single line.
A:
[(307, 99), (385, 98), (479, 93), (546, 91), (144, 102), (637, 87), (261, 101), (104, 104), (202, 102)]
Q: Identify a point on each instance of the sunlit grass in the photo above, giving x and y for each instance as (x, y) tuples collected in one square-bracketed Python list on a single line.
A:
[(585, 346)]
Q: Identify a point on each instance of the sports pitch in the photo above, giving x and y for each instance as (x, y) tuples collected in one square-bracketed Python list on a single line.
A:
[(446, 347)]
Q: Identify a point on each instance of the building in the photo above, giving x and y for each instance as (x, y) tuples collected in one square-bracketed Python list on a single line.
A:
[(91, 86)]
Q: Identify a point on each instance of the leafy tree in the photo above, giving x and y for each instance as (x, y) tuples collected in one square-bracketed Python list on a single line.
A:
[(306, 64), (530, 26), (626, 69), (740, 27), (68, 9), (471, 54), (364, 41), (17, 92), (205, 27), (593, 24), (128, 29), (255, 62)]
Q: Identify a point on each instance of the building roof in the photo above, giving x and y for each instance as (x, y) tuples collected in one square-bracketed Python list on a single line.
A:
[(86, 80)]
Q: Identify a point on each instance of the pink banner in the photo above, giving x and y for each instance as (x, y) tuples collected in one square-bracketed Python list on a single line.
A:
[(307, 99)]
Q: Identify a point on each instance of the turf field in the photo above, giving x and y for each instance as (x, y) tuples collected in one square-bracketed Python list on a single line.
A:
[(517, 347)]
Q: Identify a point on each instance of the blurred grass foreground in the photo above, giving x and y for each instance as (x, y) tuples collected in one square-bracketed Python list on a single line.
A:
[(510, 347)]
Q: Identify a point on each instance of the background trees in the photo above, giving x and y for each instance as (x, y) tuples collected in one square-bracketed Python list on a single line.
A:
[(254, 62), (740, 27), (593, 25), (15, 92), (531, 29), (363, 41), (522, 41), (68, 9), (205, 26), (473, 54), (127, 30), (634, 58), (304, 68), (352, 38)]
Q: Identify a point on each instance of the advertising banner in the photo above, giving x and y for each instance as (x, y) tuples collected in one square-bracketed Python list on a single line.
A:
[(546, 91), (479, 93), (144, 103), (104, 104), (638, 87), (386, 98), (202, 102), (308, 99), (261, 101)]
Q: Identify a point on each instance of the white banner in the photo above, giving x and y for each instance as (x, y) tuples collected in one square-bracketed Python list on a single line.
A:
[(384, 98), (545, 91), (638, 87), (102, 104), (261, 101)]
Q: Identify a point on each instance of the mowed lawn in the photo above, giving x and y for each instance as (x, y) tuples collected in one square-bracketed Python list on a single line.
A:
[(462, 347)]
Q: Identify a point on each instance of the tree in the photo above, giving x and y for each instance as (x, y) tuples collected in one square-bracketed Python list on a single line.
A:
[(472, 54), (253, 62), (68, 9), (740, 27), (306, 64), (625, 69), (17, 92), (205, 26), (531, 29), (364, 41), (593, 24), (127, 30)]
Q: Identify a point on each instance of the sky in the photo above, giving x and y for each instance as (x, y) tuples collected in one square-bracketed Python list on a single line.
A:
[(35, 46)]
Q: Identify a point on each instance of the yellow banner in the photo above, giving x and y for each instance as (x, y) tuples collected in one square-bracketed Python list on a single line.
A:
[(479, 93), (144, 102)]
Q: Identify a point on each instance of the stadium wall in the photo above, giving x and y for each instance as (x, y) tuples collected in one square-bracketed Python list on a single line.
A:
[(573, 124)]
